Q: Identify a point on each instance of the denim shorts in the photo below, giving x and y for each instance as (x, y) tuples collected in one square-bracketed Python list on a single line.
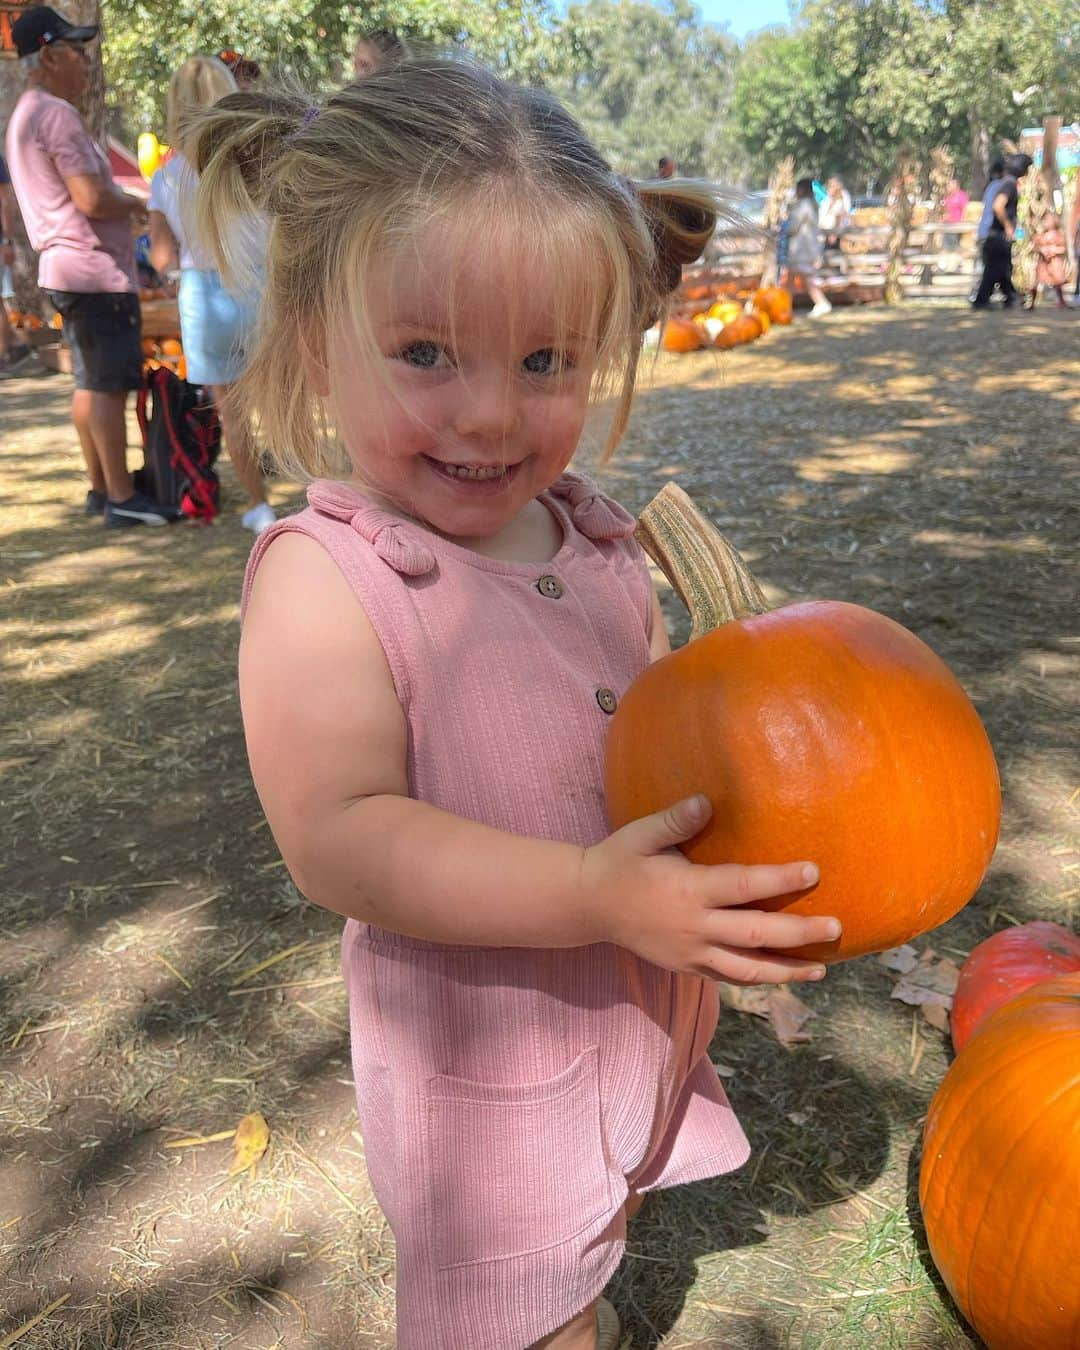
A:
[(104, 332), (216, 327)]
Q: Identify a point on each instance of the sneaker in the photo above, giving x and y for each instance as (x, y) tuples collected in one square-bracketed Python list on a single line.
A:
[(823, 308), (259, 518), (137, 510), (95, 503), (16, 359)]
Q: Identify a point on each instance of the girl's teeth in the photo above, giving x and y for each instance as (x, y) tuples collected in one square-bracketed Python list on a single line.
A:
[(480, 471)]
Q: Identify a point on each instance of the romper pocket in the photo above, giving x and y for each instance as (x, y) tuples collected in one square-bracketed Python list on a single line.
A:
[(518, 1168)]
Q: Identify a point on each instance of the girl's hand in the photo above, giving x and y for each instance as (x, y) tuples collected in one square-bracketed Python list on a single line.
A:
[(691, 918)]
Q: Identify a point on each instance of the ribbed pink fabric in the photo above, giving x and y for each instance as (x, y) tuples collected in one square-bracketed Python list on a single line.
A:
[(509, 1096)]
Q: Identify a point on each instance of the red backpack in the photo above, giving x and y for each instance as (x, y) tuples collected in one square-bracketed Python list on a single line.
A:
[(181, 437)]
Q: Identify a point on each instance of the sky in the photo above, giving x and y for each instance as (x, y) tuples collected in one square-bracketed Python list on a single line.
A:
[(744, 16)]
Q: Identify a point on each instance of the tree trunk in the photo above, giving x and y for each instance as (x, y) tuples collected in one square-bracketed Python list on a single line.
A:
[(980, 155), (92, 105)]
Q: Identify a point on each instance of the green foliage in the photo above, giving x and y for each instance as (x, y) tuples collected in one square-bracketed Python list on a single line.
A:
[(855, 82), (309, 40), (648, 80), (844, 89)]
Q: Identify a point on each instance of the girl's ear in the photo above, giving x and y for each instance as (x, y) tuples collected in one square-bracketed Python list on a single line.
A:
[(313, 360)]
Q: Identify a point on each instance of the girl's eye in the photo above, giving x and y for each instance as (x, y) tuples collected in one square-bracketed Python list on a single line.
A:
[(422, 355), (546, 361)]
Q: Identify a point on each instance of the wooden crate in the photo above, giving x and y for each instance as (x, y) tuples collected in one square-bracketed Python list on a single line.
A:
[(56, 356), (160, 318)]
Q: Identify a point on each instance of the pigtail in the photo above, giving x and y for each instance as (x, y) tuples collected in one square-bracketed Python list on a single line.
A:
[(681, 216), (234, 146)]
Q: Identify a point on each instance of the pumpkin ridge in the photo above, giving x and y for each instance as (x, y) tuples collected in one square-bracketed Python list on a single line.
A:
[(960, 1105), (1067, 1144), (1001, 1168)]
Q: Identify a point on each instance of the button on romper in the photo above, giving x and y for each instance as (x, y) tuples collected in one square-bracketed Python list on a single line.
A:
[(509, 1097)]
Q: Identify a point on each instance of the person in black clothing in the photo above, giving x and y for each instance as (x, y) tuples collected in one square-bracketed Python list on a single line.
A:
[(997, 246)]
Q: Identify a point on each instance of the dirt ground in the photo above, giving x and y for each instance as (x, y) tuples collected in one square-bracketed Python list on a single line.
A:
[(161, 978)]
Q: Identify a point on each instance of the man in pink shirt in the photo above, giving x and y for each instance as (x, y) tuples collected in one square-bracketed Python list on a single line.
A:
[(80, 222)]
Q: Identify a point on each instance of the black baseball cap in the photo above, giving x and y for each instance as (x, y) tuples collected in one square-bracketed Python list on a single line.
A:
[(40, 26)]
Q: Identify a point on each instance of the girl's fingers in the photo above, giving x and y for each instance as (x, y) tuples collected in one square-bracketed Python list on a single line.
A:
[(736, 966), (732, 884), (753, 929)]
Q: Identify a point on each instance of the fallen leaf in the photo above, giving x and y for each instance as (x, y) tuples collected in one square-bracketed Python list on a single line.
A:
[(753, 1000), (933, 984), (901, 959), (252, 1137), (936, 1015), (787, 1014)]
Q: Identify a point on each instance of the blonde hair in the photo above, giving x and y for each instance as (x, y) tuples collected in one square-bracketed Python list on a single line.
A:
[(199, 83), (430, 142)]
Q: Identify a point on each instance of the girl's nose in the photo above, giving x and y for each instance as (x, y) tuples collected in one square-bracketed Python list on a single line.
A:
[(486, 407)]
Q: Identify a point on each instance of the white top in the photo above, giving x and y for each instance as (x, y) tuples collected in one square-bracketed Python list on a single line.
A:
[(172, 192), (833, 211)]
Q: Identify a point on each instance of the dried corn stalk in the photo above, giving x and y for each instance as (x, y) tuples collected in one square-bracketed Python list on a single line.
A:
[(1035, 200), (900, 214), (942, 171), (781, 181)]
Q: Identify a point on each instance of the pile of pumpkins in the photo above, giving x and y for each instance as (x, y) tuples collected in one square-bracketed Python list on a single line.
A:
[(999, 1183), (167, 352), (726, 323), (31, 323)]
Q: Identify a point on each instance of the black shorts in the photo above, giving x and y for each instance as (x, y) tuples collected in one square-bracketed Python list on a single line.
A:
[(104, 331)]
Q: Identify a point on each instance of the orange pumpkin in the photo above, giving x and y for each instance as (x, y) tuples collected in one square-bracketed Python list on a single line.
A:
[(181, 367), (1000, 1175), (727, 338), (680, 335), (150, 347), (819, 731), (1004, 966), (774, 301), (751, 325), (15, 317), (171, 347), (57, 321), (763, 318)]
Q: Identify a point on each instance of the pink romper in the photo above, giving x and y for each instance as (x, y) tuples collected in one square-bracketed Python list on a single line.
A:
[(509, 1097)]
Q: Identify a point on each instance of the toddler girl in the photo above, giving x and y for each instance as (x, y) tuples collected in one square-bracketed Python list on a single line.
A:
[(431, 653), (1051, 259)]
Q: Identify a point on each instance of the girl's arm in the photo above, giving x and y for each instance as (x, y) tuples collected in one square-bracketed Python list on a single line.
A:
[(164, 250), (327, 741)]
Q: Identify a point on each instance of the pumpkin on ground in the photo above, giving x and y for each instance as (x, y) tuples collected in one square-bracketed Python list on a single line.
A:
[(774, 301), (819, 731), (749, 325), (171, 347), (727, 311), (1000, 1175), (680, 335), (727, 337), (1004, 966)]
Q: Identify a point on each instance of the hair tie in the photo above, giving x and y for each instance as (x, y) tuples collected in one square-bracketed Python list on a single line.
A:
[(309, 117)]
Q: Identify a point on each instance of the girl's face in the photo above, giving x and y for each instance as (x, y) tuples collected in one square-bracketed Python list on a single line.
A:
[(479, 395)]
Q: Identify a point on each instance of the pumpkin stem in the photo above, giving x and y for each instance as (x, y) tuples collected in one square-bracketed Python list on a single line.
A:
[(709, 574)]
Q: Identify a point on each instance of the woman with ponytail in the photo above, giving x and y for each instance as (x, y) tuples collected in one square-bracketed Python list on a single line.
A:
[(216, 325), (430, 655)]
